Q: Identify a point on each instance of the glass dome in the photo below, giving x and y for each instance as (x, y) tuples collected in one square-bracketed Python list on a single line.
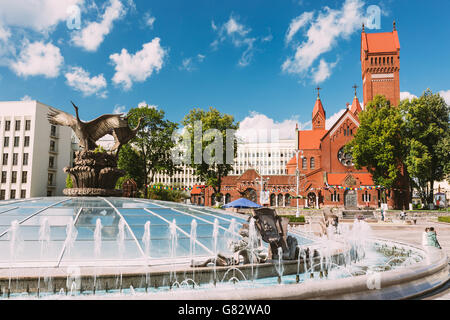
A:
[(61, 231)]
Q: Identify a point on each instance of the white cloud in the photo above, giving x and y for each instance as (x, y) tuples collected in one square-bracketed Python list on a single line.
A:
[(140, 66), (258, 127), (39, 15), (38, 58), (201, 57), (446, 95), (325, 29), (144, 104), (236, 33), (298, 23), (323, 72), (407, 95), (80, 80), (94, 33), (26, 98), (149, 20), (187, 64), (119, 109)]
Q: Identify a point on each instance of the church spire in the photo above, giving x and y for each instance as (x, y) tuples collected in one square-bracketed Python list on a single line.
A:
[(356, 106), (318, 114)]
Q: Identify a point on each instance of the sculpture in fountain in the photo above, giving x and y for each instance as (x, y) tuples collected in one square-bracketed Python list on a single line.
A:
[(95, 173), (271, 229)]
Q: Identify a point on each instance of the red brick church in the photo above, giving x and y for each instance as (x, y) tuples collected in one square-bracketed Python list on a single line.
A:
[(327, 176)]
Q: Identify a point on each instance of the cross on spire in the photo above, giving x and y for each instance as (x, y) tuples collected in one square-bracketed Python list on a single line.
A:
[(318, 91), (355, 87)]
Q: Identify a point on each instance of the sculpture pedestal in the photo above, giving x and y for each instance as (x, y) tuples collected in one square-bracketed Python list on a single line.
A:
[(94, 174)]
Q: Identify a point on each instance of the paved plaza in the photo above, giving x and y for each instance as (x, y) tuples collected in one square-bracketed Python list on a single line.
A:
[(413, 234)]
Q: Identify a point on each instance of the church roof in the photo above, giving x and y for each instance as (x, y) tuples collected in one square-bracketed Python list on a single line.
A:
[(380, 42), (318, 108), (356, 107), (310, 139)]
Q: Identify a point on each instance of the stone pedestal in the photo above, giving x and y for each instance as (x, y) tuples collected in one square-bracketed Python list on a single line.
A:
[(94, 174)]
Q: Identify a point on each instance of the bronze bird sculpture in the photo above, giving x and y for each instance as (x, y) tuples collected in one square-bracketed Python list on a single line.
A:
[(88, 132), (124, 134)]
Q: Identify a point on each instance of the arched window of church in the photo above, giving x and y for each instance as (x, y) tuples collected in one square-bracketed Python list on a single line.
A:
[(371, 60), (351, 132), (312, 163), (304, 161), (345, 131), (384, 60), (392, 60)]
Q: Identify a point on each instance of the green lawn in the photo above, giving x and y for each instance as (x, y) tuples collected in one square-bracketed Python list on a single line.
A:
[(444, 219)]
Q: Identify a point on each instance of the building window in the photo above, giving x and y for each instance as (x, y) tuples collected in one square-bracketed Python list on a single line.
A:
[(53, 131), (3, 176), (6, 142), (7, 125), (17, 126), (50, 179), (26, 141), (2, 194), (52, 145), (13, 176), (5, 159), (304, 163), (15, 159), (51, 162), (25, 159), (312, 163), (24, 176), (23, 194), (13, 194), (49, 193), (16, 141), (27, 125)]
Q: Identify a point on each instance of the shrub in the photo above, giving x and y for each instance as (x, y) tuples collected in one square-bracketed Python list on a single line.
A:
[(294, 218)]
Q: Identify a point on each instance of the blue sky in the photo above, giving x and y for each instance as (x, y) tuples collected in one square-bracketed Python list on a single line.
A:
[(238, 56)]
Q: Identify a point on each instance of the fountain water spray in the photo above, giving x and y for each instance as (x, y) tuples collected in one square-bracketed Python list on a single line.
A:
[(146, 239), (98, 238), (252, 242), (173, 249), (193, 238), (215, 234), (44, 239)]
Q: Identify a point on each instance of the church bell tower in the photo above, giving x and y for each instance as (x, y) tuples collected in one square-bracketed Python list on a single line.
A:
[(380, 65)]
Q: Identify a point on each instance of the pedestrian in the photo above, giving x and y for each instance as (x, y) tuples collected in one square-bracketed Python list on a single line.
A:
[(432, 238), (382, 214)]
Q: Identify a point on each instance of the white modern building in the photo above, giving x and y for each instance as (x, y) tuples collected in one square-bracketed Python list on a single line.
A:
[(268, 158), (33, 152)]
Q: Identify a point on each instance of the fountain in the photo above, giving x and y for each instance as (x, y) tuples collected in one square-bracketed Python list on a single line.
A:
[(241, 258)]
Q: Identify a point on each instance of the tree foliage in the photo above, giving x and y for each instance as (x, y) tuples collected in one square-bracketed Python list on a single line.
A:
[(427, 134), (212, 123), (379, 143), (149, 151)]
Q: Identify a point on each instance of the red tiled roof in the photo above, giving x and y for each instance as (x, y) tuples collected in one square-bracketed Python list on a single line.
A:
[(310, 139), (356, 107), (380, 42), (318, 108)]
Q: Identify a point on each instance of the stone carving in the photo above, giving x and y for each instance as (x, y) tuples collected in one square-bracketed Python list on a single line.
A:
[(95, 173)]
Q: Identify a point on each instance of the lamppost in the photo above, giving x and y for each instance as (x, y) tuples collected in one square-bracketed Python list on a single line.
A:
[(297, 174), (261, 183)]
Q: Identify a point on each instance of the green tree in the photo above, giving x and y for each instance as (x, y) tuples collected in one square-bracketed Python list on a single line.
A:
[(160, 192), (379, 143), (427, 136), (129, 160), (213, 146), (152, 143)]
